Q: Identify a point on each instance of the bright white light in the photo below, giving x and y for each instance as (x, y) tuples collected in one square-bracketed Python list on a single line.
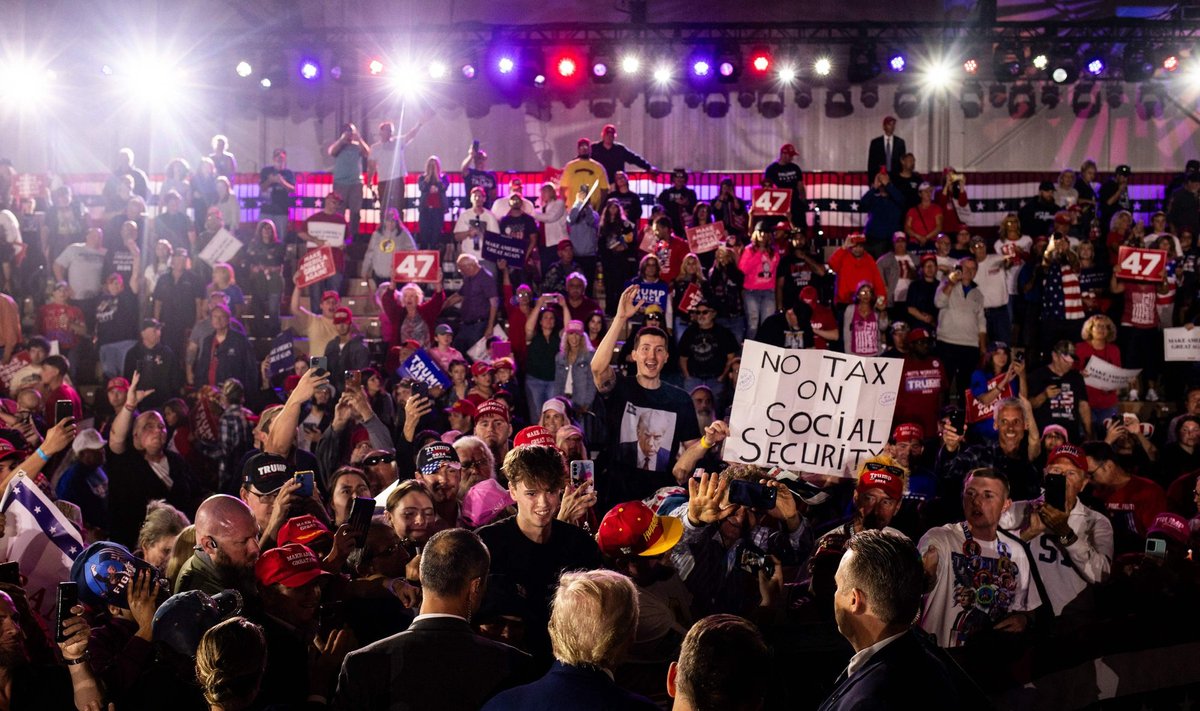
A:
[(244, 69), (437, 70), (1041, 61), (24, 83), (153, 82), (938, 74), (630, 64), (787, 74), (265, 83), (662, 74), (823, 66), (407, 82)]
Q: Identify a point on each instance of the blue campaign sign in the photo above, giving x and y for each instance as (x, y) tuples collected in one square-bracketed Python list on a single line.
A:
[(421, 367), (497, 246), (282, 355)]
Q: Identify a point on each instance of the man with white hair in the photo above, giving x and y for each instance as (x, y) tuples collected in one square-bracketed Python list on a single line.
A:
[(477, 301), (646, 450)]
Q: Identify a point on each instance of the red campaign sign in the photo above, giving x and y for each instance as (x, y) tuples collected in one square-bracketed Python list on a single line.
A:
[(315, 266), (1137, 264), (977, 411), (423, 266), (706, 238), (771, 201), (691, 297), (205, 421)]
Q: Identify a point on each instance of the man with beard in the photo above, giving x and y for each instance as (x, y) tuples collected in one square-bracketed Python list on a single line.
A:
[(955, 556), (439, 468), (584, 171), (613, 155), (226, 548), (1009, 454), (492, 425)]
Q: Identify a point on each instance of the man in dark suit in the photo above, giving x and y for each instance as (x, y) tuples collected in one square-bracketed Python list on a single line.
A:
[(438, 662), (880, 581), (645, 453), (588, 607), (885, 150)]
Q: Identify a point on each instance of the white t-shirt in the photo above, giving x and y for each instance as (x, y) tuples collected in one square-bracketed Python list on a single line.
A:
[(1018, 251), (474, 245), (992, 281), (989, 592), (1066, 570), (387, 163)]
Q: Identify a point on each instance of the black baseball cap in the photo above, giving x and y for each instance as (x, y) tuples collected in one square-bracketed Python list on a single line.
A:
[(266, 472)]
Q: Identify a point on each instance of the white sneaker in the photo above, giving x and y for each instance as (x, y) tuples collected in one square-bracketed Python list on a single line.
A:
[(1151, 396), (1133, 396)]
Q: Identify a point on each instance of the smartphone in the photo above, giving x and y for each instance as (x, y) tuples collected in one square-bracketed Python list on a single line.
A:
[(63, 410), (759, 497), (68, 597), (583, 470), (1019, 357), (475, 145), (958, 420), (353, 379), (305, 480), (319, 363), (10, 573), (1054, 486), (330, 616), (361, 511), (1156, 548), (420, 388)]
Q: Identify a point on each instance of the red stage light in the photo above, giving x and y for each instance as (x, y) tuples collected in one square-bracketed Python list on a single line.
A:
[(375, 66), (566, 67), (760, 61)]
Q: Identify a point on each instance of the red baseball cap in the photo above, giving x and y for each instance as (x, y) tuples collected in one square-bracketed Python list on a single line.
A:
[(633, 529), (480, 367), (118, 384), (343, 315), (291, 566), (1071, 453), (788, 149), (290, 382), (917, 334), (534, 435), (410, 343), (493, 407), (909, 431), (7, 451), (331, 294), (888, 482), (302, 530), (463, 407), (809, 295), (1173, 526)]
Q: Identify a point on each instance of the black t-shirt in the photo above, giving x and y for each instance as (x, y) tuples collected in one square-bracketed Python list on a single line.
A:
[(119, 261), (632, 202), (178, 299), (1064, 409), (795, 274), (277, 199), (522, 227), (117, 318), (776, 331), (645, 430), (784, 176), (908, 188), (707, 351), (480, 179), (676, 203), (1037, 217)]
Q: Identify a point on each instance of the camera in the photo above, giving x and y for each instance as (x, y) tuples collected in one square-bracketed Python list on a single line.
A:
[(752, 559)]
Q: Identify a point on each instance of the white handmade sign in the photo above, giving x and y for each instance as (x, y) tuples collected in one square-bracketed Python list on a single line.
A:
[(1181, 344), (221, 248), (1102, 375), (811, 410), (330, 233)]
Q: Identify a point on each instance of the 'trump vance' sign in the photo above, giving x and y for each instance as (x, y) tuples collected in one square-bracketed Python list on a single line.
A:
[(809, 410)]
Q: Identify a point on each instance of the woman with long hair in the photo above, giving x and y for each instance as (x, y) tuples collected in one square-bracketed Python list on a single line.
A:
[(759, 263), (725, 284), (618, 253), (542, 342), (227, 201), (264, 258), (573, 366), (594, 328), (432, 204), (230, 663), (691, 273), (865, 323), (998, 377)]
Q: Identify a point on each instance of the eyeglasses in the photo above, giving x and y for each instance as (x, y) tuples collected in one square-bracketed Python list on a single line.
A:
[(267, 499), (378, 459), (705, 312)]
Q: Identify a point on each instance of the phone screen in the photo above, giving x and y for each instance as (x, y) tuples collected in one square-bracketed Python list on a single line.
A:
[(1055, 487), (306, 483), (751, 494), (361, 511), (63, 410)]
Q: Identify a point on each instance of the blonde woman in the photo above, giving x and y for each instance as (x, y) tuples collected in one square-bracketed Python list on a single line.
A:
[(224, 281), (227, 202), (573, 366), (690, 273), (230, 663), (1099, 340)]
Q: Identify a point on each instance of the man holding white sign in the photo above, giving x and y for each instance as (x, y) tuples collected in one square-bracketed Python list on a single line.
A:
[(327, 228), (813, 410)]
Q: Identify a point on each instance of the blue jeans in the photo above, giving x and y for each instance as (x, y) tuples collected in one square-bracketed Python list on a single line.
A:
[(760, 303), (468, 333), (537, 392), (690, 384)]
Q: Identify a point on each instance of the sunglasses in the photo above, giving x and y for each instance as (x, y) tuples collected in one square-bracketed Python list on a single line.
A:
[(877, 467), (378, 459)]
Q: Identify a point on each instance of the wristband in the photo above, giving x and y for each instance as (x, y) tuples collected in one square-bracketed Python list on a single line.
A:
[(74, 662), (41, 454), (704, 443)]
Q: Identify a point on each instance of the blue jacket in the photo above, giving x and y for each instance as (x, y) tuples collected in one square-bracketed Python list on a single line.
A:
[(885, 214), (905, 670), (587, 689)]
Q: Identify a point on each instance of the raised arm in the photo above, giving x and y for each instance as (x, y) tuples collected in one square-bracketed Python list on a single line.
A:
[(123, 422), (602, 358), (283, 429)]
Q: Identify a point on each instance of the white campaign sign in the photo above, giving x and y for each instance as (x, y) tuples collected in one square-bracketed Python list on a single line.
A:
[(329, 233), (221, 248), (1102, 375), (1181, 344), (811, 410)]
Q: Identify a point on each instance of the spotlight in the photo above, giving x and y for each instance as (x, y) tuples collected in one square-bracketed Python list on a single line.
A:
[(25, 84), (1150, 101), (1095, 66), (336, 72), (467, 71), (602, 108), (1020, 101), (599, 70), (770, 104), (869, 95), (1041, 61), (716, 105), (906, 101), (997, 95), (971, 99), (1064, 66), (406, 81), (803, 97), (838, 103), (106, 70), (658, 104), (1171, 62), (465, 67), (693, 99), (760, 60), (630, 64), (1114, 95), (662, 74), (1050, 96), (1084, 101), (863, 64), (1008, 62), (539, 79), (244, 69), (601, 65), (566, 67), (506, 65), (310, 70), (1137, 64), (938, 75), (729, 65), (823, 66), (265, 82), (971, 66), (746, 99), (375, 67), (787, 74), (437, 70), (701, 68), (897, 63)]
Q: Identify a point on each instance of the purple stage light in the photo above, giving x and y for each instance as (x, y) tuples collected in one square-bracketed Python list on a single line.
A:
[(1095, 67), (701, 68), (897, 63), (310, 70)]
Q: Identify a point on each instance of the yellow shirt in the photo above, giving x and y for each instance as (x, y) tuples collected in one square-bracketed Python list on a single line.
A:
[(583, 171), (320, 332)]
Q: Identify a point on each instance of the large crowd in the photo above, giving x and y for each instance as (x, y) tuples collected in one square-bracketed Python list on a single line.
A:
[(503, 486)]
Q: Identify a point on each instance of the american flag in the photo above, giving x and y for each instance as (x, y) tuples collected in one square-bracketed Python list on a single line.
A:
[(40, 539), (1061, 297)]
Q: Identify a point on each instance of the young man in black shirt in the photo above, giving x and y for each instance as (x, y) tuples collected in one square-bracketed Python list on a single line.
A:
[(786, 175), (476, 175), (275, 187), (650, 421), (531, 549), (678, 201)]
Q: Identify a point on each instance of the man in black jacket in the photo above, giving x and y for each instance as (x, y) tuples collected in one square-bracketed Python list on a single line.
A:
[(347, 352), (885, 151), (160, 369), (423, 667), (225, 354), (613, 156), (880, 581)]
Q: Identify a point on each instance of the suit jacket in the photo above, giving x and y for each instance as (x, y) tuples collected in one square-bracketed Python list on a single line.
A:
[(437, 663), (587, 689), (877, 156), (631, 455), (905, 669)]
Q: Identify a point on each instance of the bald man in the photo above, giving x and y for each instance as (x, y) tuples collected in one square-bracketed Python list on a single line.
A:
[(226, 548)]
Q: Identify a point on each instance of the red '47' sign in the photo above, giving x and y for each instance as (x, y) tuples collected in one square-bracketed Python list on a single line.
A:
[(771, 201), (1136, 264), (424, 266)]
